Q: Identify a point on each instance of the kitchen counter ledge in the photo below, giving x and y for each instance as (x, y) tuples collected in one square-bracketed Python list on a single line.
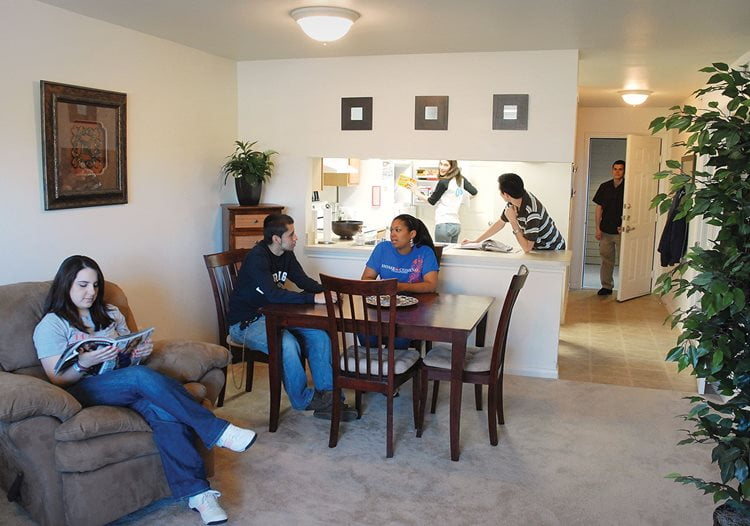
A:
[(454, 257)]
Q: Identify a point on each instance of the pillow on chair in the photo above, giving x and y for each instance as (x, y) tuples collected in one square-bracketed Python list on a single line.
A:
[(477, 358), (404, 358)]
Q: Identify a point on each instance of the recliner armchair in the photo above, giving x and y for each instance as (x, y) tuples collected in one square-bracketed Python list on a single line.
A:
[(84, 466)]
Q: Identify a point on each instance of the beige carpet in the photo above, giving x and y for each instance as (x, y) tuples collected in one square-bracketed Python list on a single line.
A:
[(570, 453)]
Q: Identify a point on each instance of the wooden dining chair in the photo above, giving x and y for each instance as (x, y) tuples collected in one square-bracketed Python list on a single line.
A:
[(223, 269), (365, 367), (482, 366)]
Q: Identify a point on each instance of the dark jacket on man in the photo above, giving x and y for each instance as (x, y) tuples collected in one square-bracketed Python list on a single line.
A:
[(261, 282)]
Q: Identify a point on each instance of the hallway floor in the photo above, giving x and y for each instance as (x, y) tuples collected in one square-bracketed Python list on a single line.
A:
[(603, 341)]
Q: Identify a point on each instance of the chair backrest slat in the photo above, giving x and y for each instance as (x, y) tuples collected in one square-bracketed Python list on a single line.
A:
[(223, 269)]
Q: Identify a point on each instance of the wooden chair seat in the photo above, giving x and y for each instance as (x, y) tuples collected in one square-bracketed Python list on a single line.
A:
[(405, 358), (478, 359)]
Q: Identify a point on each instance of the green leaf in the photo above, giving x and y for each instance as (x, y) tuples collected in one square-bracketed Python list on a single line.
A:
[(739, 299), (721, 66), (674, 165), (674, 354), (740, 470), (716, 361)]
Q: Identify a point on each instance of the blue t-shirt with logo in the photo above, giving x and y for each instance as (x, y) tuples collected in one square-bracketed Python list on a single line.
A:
[(406, 268)]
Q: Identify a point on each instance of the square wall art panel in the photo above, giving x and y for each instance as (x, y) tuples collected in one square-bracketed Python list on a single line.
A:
[(431, 113), (510, 112), (356, 113)]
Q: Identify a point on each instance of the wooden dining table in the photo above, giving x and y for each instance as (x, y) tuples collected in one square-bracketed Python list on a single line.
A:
[(448, 318)]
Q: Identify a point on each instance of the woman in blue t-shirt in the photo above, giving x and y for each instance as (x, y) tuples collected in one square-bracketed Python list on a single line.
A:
[(409, 257)]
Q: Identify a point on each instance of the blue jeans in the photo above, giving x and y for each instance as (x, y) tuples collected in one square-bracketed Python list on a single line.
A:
[(398, 343), (447, 232), (297, 345), (174, 417)]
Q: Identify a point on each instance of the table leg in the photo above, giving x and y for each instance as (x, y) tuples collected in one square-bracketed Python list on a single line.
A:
[(274, 371), (481, 331), (458, 355)]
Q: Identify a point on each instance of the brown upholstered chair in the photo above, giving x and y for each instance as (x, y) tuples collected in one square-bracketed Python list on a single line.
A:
[(483, 366), (367, 368), (223, 269), (74, 466)]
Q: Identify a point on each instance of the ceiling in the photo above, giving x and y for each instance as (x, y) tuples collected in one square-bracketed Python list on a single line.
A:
[(639, 44)]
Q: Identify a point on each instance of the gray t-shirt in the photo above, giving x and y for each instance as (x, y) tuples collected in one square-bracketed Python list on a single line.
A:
[(53, 334)]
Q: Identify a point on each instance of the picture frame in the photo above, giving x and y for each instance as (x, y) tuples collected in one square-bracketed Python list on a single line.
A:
[(431, 112), (510, 111), (376, 196), (687, 165), (356, 113), (83, 145)]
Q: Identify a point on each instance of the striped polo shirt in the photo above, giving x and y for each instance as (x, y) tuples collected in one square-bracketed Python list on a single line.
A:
[(537, 225)]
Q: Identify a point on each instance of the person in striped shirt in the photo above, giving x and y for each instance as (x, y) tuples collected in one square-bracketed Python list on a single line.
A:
[(532, 226)]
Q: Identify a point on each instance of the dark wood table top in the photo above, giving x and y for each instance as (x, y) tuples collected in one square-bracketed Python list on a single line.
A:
[(437, 317)]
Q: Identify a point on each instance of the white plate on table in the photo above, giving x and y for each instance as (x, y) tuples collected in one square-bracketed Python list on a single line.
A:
[(385, 300)]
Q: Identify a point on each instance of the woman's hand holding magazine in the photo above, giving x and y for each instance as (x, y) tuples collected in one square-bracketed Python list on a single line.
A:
[(105, 354)]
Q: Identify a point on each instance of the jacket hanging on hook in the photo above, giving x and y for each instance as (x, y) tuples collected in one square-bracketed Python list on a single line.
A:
[(673, 242)]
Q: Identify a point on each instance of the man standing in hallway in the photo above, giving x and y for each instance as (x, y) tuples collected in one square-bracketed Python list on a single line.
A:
[(608, 199)]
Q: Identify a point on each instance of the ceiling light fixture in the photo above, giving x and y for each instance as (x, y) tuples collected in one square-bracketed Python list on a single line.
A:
[(634, 97), (324, 24)]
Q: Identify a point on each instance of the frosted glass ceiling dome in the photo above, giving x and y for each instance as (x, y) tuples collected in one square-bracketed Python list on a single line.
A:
[(324, 24)]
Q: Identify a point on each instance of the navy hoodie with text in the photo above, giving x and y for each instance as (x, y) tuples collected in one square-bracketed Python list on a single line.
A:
[(261, 282)]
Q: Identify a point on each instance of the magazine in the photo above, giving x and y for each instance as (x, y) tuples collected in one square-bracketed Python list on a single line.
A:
[(406, 181), (126, 344), (489, 245)]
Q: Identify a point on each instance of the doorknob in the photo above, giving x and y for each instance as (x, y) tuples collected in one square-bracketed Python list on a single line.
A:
[(629, 228)]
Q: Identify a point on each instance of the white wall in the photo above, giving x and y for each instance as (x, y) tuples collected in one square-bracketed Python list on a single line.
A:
[(293, 106), (181, 121), (601, 123)]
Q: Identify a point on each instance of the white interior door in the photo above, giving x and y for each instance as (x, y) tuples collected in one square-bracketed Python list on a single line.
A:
[(638, 221)]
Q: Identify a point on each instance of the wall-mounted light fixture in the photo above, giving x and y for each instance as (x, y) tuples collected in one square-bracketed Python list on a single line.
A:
[(324, 24), (634, 97)]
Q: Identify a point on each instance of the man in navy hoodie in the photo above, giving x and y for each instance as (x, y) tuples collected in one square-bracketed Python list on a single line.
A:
[(261, 280)]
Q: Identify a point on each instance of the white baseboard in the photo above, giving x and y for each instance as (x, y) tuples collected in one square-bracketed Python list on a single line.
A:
[(531, 371)]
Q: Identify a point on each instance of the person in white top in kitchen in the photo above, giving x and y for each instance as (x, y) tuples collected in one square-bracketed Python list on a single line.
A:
[(449, 194)]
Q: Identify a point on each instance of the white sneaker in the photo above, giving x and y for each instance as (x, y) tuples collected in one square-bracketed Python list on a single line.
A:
[(237, 438), (206, 504)]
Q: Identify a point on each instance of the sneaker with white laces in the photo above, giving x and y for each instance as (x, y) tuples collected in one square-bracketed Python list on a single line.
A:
[(207, 505), (237, 438)]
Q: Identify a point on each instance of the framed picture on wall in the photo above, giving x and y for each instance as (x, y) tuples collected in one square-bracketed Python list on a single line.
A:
[(83, 144), (688, 165)]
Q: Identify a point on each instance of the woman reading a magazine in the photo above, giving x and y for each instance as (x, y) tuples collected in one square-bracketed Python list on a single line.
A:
[(76, 311)]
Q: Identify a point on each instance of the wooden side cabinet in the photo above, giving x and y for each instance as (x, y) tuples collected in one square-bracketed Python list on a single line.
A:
[(242, 226)]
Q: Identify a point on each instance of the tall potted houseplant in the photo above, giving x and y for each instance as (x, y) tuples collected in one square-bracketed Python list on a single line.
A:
[(715, 338), (250, 169)]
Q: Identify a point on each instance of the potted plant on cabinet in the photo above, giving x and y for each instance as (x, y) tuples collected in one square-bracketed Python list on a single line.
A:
[(249, 168), (715, 338)]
